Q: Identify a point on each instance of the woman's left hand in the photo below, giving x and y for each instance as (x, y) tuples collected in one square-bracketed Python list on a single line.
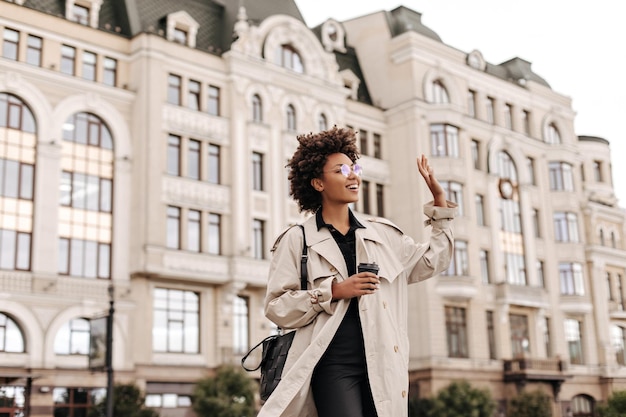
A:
[(439, 194)]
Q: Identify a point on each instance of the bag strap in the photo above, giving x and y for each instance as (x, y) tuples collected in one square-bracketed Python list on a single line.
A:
[(304, 274)]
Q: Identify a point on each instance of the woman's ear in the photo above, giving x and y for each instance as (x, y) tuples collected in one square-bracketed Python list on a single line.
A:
[(317, 184)]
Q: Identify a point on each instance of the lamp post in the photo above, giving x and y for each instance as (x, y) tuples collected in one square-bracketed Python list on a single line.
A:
[(109, 353)]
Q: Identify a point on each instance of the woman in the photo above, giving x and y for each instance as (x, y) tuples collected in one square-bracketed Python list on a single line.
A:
[(349, 357)]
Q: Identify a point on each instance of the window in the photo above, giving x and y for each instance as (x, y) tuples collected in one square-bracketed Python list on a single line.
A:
[(193, 159), (571, 278), (553, 137), (241, 325), (520, 342), (11, 336), (508, 116), (471, 103), (480, 210), (258, 239), (515, 268), (565, 227), (73, 338), (458, 263), (547, 340), (110, 72), (491, 335), (380, 200), (484, 267), (291, 118), (167, 400), (193, 230), (561, 178), (257, 109), (89, 66), (173, 155), (530, 165), (602, 241), (257, 171), (68, 60), (34, 45), (79, 14), (526, 122), (574, 341), (365, 192), (322, 122), (490, 110), (180, 36), (597, 171), (173, 227), (535, 222), (176, 325), (619, 296), (214, 232), (193, 95), (174, 83), (444, 140), (76, 402), (289, 58), (13, 399), (377, 146), (609, 287), (618, 340), (10, 44), (475, 153), (86, 198), (440, 94), (363, 148), (613, 240), (540, 274), (454, 192), (213, 164), (213, 102), (583, 406), (456, 332)]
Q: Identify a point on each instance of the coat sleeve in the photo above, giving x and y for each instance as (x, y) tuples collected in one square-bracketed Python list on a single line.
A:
[(285, 303)]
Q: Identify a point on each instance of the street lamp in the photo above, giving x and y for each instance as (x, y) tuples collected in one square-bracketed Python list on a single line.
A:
[(109, 353)]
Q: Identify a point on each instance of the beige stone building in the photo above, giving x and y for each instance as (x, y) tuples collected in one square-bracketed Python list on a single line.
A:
[(142, 148)]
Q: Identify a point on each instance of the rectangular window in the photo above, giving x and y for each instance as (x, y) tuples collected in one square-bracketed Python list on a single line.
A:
[(68, 60), (540, 274), (476, 153), (377, 146), (193, 159), (193, 96), (515, 268), (258, 239), (618, 340), (573, 336), (213, 103), (484, 267), (110, 72), (459, 264), (34, 45), (84, 258), (571, 278), (380, 200), (241, 325), (173, 227), (176, 321), (193, 230), (79, 14), (173, 155), (491, 335), (180, 36), (530, 165), (508, 116), (565, 227), (526, 122), (444, 140), (16, 179), (257, 171), (510, 218), (520, 341), (363, 148), (76, 402), (89, 66), (213, 164), (597, 171), (535, 220), (15, 250), (456, 332), (480, 210), (454, 193), (174, 83), (365, 193), (10, 44), (471, 103), (214, 232), (547, 340), (561, 178), (490, 104)]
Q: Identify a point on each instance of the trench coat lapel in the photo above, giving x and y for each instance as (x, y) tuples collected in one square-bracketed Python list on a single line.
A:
[(322, 242)]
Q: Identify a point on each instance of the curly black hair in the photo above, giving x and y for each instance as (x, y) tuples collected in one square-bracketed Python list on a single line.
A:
[(309, 159)]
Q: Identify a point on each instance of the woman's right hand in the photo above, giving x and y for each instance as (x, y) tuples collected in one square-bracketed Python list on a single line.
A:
[(363, 283)]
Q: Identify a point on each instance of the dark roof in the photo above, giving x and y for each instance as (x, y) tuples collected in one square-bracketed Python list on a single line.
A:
[(349, 60), (584, 138), (515, 70), (402, 19)]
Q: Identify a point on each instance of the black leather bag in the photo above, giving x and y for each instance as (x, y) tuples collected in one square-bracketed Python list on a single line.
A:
[(276, 347)]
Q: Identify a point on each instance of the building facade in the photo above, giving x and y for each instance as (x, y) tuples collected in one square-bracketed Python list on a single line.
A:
[(142, 164)]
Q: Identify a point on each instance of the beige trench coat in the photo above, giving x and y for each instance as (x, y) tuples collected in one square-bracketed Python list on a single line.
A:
[(383, 314)]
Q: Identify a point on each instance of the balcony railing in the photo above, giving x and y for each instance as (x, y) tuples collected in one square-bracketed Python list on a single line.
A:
[(524, 370)]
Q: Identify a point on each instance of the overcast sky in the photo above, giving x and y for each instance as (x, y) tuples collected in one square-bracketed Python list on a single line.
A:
[(577, 46)]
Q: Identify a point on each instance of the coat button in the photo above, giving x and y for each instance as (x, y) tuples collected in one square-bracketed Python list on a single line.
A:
[(333, 269), (403, 394), (395, 348)]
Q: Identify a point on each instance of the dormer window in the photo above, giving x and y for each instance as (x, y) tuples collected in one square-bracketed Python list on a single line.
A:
[(80, 14), (180, 36), (290, 58), (333, 36), (182, 28), (84, 12)]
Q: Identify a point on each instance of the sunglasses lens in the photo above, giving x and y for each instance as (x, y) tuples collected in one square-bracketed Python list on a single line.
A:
[(345, 170), (358, 170)]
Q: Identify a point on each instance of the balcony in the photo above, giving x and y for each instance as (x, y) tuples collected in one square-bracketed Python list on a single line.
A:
[(524, 370), (523, 295)]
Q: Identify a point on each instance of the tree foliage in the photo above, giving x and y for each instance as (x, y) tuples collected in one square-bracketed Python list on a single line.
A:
[(128, 401), (458, 399), (530, 404), (615, 406), (230, 393)]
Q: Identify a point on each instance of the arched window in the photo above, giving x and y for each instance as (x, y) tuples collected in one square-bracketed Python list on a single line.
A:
[(86, 189), (73, 338), (288, 57), (17, 177), (553, 137), (291, 118), (440, 94), (582, 406), (322, 122), (11, 336), (257, 109)]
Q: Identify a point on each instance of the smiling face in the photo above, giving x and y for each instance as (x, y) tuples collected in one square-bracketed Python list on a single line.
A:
[(337, 188)]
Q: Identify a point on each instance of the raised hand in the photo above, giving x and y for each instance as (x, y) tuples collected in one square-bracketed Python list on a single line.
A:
[(427, 172)]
